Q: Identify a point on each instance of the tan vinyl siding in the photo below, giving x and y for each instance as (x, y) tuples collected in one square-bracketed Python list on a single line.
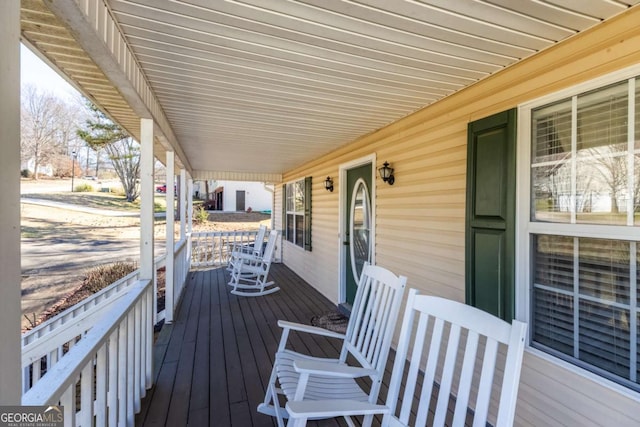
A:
[(420, 220)]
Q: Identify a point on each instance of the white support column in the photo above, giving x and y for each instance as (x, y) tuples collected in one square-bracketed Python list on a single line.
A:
[(170, 232), (146, 199), (183, 204), (10, 350), (190, 206)]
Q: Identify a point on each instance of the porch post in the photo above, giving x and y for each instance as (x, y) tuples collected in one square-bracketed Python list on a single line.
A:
[(170, 246), (183, 205), (146, 199), (10, 350)]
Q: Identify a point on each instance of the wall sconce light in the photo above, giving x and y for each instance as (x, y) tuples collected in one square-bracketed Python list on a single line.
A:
[(328, 184), (386, 173)]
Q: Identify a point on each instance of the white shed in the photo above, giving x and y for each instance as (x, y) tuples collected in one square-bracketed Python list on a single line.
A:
[(234, 196)]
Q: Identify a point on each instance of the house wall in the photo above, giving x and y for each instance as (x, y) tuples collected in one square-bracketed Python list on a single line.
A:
[(257, 197), (420, 220)]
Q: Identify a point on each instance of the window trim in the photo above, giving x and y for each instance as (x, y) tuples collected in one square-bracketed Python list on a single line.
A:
[(525, 228)]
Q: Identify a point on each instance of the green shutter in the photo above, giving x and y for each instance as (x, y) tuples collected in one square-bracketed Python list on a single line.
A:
[(490, 218), (307, 213)]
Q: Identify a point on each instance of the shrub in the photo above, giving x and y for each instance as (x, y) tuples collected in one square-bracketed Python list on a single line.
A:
[(102, 276), (200, 215), (83, 188), (25, 173)]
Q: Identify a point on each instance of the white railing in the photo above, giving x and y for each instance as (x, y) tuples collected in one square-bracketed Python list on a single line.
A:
[(212, 249), (44, 345), (182, 256), (111, 365)]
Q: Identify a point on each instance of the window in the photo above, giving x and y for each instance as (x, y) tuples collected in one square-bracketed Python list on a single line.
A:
[(582, 228), (297, 212)]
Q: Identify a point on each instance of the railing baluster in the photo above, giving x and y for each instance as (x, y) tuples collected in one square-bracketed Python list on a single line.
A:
[(86, 396), (137, 359), (112, 394), (68, 401), (149, 344), (122, 374), (100, 408), (35, 371), (130, 368)]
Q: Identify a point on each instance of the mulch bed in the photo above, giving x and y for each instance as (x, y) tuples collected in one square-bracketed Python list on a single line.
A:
[(82, 292)]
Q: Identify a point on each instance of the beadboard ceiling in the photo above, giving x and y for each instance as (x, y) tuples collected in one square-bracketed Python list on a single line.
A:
[(264, 86)]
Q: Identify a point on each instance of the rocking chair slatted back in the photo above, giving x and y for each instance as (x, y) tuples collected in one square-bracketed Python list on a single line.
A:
[(368, 336), (469, 335)]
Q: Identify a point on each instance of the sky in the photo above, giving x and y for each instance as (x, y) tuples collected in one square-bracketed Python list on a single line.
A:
[(34, 71)]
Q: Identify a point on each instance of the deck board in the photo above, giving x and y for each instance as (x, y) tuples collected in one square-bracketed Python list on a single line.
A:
[(216, 358)]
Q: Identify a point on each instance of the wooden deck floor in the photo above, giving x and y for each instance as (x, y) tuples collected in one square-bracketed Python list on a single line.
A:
[(214, 362)]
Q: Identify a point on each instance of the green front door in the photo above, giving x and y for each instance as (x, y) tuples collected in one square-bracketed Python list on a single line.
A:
[(358, 226), (490, 217)]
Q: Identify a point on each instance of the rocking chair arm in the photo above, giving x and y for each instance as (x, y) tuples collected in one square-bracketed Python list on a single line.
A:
[(332, 408), (331, 369), (309, 329), (245, 256)]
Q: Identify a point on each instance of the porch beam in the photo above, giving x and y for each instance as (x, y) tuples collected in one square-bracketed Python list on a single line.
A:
[(170, 240), (146, 200), (10, 390)]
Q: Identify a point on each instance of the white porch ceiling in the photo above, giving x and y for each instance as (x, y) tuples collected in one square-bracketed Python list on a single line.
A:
[(264, 86)]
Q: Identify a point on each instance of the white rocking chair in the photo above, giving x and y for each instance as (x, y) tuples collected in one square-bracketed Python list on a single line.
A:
[(240, 250), (466, 371), (250, 273), (368, 338)]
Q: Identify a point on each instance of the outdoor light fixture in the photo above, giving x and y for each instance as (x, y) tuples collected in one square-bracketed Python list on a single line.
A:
[(328, 184), (386, 173)]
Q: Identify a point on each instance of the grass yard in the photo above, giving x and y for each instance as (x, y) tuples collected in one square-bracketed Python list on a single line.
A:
[(100, 200)]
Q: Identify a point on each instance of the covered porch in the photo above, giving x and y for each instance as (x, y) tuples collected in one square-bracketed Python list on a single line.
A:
[(283, 92)]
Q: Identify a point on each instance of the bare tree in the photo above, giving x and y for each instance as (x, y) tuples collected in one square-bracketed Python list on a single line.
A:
[(40, 127), (100, 133)]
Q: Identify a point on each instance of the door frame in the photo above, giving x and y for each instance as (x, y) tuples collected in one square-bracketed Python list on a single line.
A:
[(343, 210)]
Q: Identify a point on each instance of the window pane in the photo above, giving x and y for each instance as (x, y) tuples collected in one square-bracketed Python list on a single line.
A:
[(290, 229), (553, 292), (604, 269), (601, 160), (602, 118), (551, 127), (299, 197), (604, 337), (553, 266), (551, 167), (299, 230), (289, 197), (553, 320)]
